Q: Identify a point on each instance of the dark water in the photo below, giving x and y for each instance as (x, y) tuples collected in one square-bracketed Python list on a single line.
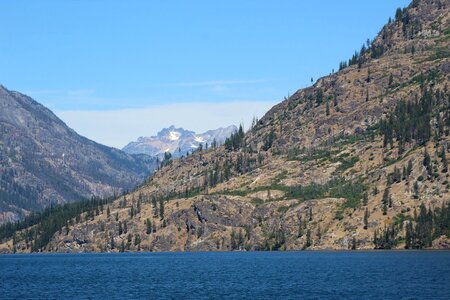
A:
[(257, 275)]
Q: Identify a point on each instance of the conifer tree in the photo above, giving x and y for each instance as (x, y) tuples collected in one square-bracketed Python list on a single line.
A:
[(416, 189), (122, 246), (131, 212), (240, 238), (233, 241), (308, 238), (444, 161), (385, 201), (129, 240), (391, 80), (427, 162), (366, 218), (365, 199), (354, 243), (155, 206), (137, 239), (161, 209), (120, 228), (300, 227), (138, 204), (319, 96), (409, 168), (148, 224), (408, 235)]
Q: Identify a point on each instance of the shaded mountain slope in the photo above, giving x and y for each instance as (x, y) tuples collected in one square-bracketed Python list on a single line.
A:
[(45, 162)]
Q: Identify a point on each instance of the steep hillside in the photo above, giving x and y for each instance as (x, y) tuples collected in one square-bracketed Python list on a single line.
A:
[(178, 141), (356, 161), (44, 162)]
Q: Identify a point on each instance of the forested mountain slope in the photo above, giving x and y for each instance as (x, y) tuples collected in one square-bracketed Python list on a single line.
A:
[(43, 162), (359, 160)]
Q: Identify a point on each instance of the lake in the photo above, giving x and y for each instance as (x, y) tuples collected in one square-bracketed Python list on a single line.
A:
[(236, 275)]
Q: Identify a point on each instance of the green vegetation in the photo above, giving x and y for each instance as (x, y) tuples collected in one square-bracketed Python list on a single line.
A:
[(167, 160), (410, 27), (148, 225), (409, 122), (306, 155), (420, 230), (386, 239), (268, 142), (439, 53), (335, 188), (428, 225), (235, 141), (283, 209), (274, 240), (237, 240), (346, 164), (321, 155), (352, 191), (40, 227)]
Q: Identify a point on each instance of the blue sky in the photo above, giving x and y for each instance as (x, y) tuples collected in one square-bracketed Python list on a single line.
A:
[(90, 59)]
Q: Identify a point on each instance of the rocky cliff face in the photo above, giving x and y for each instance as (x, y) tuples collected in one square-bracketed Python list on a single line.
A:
[(43, 162), (358, 160), (177, 141)]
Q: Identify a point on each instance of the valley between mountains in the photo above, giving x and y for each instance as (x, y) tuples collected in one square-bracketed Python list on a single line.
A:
[(359, 160)]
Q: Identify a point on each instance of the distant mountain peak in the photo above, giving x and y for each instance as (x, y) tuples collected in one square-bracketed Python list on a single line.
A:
[(177, 140)]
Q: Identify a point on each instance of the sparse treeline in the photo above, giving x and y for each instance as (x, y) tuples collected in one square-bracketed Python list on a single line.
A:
[(418, 231), (235, 141), (375, 49)]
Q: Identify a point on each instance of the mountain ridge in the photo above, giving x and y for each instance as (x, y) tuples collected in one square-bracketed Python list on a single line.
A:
[(44, 159), (359, 160), (177, 141)]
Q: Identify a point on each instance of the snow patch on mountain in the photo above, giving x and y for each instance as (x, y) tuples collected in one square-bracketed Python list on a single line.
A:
[(199, 139), (174, 136)]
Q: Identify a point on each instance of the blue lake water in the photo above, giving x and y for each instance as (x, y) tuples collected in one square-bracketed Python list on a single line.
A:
[(238, 275)]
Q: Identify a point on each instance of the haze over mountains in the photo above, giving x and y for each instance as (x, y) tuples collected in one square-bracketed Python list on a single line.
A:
[(45, 162), (177, 141)]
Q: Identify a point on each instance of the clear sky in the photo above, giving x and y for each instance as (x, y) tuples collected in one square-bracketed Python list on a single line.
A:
[(116, 70)]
